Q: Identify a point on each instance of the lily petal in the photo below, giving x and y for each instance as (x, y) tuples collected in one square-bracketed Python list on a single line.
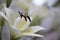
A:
[(30, 34), (36, 28), (16, 30), (16, 22), (19, 23), (3, 15), (11, 15), (26, 24)]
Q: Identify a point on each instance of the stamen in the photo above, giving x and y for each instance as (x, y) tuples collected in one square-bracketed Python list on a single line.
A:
[(29, 18), (21, 14)]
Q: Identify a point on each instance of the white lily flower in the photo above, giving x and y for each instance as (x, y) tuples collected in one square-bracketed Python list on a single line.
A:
[(19, 25)]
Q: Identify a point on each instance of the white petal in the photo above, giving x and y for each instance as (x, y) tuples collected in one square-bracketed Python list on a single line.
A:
[(17, 20), (3, 15), (26, 24), (15, 29), (36, 28), (11, 15), (11, 12), (30, 34)]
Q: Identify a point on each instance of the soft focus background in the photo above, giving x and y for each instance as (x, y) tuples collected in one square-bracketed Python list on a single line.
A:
[(48, 16)]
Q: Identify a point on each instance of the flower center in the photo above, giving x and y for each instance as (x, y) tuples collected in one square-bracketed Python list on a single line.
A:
[(21, 23)]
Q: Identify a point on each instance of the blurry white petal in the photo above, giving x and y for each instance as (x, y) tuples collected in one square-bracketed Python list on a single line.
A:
[(11, 15), (3, 15), (30, 34), (16, 30), (11, 12), (17, 20), (36, 28), (5, 32), (26, 24)]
